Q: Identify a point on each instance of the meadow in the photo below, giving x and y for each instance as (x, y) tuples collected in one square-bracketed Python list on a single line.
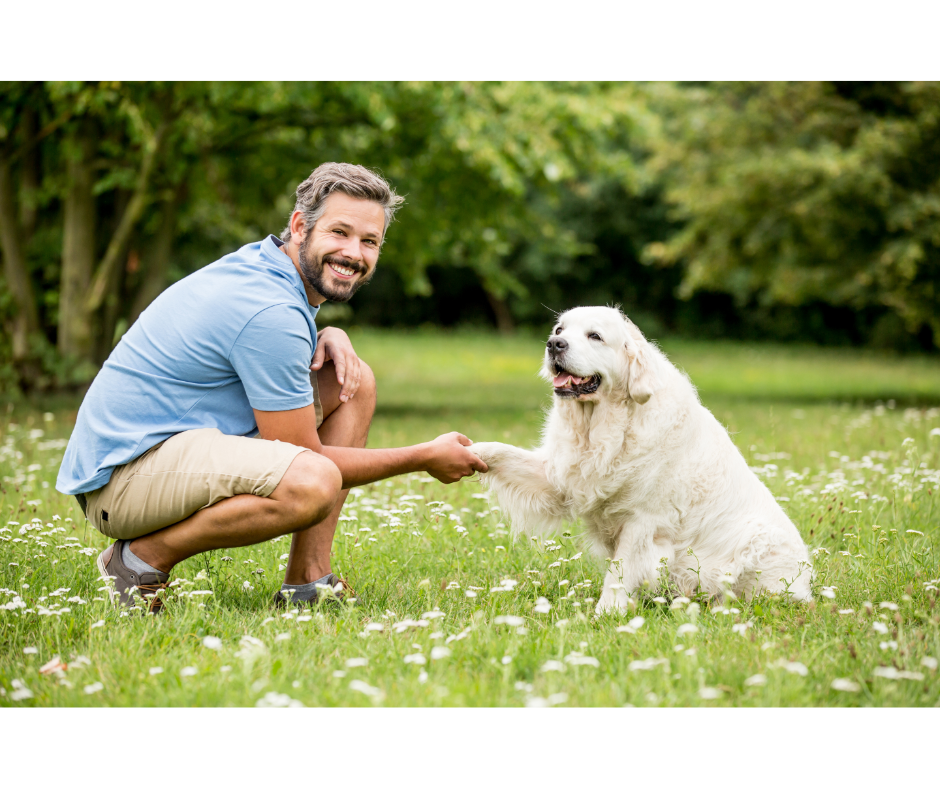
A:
[(456, 612)]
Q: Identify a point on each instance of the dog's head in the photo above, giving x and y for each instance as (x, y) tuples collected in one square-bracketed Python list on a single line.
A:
[(596, 349)]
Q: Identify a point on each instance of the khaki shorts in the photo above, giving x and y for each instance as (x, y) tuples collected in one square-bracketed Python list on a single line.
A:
[(186, 473)]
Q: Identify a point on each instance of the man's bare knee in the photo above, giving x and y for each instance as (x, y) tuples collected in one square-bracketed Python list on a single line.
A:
[(367, 387), (309, 488)]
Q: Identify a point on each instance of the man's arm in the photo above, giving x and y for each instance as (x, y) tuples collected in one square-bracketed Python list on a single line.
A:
[(446, 458)]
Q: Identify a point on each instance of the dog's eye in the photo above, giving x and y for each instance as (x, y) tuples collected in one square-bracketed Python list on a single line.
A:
[(558, 330), (594, 335)]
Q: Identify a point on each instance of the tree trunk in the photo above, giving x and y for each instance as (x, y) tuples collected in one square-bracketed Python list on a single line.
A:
[(26, 319), (504, 322), (157, 262), (30, 176), (78, 249)]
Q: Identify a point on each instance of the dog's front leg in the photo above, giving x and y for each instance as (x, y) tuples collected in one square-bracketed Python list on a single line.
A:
[(519, 479), (634, 566)]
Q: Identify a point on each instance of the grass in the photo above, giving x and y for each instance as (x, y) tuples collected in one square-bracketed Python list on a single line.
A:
[(858, 477)]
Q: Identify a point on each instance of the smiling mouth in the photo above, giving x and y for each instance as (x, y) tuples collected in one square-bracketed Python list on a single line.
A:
[(342, 271), (567, 384)]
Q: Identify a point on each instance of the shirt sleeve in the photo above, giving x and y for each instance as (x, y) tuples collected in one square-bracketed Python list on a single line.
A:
[(272, 358)]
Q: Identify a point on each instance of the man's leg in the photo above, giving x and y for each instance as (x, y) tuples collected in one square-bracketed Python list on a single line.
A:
[(344, 424), (306, 493)]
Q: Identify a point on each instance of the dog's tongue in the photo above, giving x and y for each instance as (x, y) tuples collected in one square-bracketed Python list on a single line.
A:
[(564, 379)]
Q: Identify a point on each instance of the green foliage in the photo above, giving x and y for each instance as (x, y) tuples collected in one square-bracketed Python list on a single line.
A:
[(802, 211), (797, 192)]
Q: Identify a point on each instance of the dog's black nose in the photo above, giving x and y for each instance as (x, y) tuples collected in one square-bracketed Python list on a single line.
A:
[(557, 345)]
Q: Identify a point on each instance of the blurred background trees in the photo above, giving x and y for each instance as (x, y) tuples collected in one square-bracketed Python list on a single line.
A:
[(801, 211)]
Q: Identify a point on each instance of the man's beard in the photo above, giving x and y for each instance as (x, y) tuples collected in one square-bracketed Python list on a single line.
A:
[(314, 274)]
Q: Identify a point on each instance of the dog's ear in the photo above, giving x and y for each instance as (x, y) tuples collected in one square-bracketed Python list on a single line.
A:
[(642, 381)]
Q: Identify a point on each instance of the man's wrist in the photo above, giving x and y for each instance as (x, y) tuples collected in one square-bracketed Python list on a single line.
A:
[(422, 456)]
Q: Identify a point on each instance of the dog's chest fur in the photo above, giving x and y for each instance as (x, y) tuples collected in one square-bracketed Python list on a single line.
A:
[(595, 452)]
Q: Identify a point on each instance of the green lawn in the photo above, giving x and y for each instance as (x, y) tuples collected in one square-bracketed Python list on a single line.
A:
[(859, 478)]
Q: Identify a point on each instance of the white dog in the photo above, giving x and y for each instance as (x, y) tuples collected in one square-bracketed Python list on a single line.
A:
[(629, 449)]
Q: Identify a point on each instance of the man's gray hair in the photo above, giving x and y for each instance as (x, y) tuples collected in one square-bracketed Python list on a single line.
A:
[(351, 179)]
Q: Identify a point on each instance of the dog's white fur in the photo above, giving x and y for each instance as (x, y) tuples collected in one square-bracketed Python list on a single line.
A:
[(651, 473)]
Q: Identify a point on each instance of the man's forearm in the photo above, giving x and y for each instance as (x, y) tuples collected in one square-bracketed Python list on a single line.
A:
[(362, 466)]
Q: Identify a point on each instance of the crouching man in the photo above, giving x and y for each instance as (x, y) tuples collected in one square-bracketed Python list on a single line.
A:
[(164, 457)]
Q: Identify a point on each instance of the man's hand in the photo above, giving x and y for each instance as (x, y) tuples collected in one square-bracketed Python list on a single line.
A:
[(333, 344), (450, 460)]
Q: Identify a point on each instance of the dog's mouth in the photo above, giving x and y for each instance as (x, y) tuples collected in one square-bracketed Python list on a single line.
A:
[(567, 384)]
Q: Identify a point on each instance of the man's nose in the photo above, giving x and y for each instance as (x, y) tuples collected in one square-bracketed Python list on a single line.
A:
[(350, 249), (557, 345)]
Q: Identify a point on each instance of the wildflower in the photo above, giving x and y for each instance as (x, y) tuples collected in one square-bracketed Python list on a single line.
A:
[(91, 689), (895, 674), (440, 652), (847, 611), (880, 628), (248, 586), (365, 689), (156, 671), (552, 665), (512, 621), (433, 614), (844, 685), (633, 625), (888, 606), (741, 629), (709, 693), (250, 648), (542, 605), (277, 700), (659, 600), (506, 659), (794, 667), (687, 629), (470, 594), (888, 644), (97, 624), (282, 636), (422, 677), (188, 671), (375, 626), (828, 592), (678, 602), (30, 650), (561, 623), (757, 680), (929, 662), (357, 662), (20, 691), (212, 642), (646, 664), (338, 674), (415, 659), (577, 658)]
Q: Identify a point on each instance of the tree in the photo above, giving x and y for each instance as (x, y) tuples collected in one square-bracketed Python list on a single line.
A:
[(792, 193)]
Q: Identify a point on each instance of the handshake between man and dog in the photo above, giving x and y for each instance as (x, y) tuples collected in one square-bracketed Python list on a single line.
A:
[(630, 450)]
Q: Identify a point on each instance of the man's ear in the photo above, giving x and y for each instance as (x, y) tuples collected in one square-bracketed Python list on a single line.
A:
[(641, 379)]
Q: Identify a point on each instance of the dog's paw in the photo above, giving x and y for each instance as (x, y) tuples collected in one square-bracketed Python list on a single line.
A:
[(488, 451), (615, 601)]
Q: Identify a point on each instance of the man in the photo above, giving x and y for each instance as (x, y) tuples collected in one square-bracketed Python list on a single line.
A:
[(162, 458)]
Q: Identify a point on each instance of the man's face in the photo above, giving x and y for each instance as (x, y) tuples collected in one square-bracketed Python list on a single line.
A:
[(338, 255)]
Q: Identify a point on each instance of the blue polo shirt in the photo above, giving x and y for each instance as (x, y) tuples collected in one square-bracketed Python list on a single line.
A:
[(236, 335)]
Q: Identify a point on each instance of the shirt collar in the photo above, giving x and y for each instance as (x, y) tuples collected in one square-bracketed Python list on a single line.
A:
[(271, 249)]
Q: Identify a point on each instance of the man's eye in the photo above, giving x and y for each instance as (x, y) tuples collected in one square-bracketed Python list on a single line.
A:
[(596, 336), (339, 232)]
